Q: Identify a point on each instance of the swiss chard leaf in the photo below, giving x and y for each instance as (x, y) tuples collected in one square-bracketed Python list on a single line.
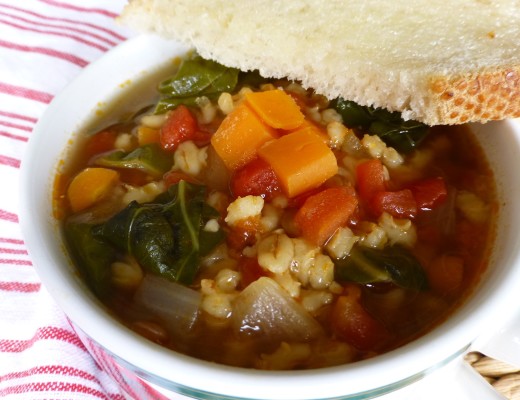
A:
[(392, 264), (93, 256), (166, 237), (142, 230), (149, 158), (196, 77), (402, 135)]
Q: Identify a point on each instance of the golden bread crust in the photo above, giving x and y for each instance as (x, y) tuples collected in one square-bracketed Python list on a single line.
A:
[(472, 97)]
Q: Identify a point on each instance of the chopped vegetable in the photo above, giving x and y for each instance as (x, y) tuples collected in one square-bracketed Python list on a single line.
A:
[(180, 125), (176, 305), (196, 77), (399, 204), (90, 186), (101, 142), (263, 310), (276, 108), (92, 255), (177, 219), (249, 270), (149, 158), (301, 160), (256, 178), (310, 127), (147, 135), (402, 135), (323, 213), (370, 179), (239, 137), (352, 323), (392, 264), (429, 193)]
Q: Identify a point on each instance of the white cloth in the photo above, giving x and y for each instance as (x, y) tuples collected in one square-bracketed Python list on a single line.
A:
[(44, 44)]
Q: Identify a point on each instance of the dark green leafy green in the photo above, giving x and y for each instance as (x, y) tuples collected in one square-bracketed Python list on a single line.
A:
[(142, 231), (392, 264), (150, 158), (165, 237), (196, 77), (93, 256), (402, 135)]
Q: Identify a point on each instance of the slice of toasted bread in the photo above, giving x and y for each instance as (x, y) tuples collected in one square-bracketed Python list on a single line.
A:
[(444, 62)]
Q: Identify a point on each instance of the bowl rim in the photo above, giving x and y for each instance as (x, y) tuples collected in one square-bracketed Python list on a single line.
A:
[(185, 370)]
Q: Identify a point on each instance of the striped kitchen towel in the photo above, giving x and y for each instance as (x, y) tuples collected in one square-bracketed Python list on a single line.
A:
[(44, 44)]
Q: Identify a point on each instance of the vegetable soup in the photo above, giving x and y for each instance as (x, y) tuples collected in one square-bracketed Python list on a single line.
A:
[(254, 223)]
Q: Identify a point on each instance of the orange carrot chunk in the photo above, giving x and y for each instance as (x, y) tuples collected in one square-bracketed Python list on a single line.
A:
[(301, 160), (311, 127), (323, 213), (90, 186), (239, 136), (276, 108), (146, 135)]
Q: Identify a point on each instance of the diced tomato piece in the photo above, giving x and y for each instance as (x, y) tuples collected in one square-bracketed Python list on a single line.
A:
[(429, 193), (370, 179), (100, 142), (180, 126), (399, 204), (297, 201), (244, 234), (256, 178), (352, 323), (249, 270), (323, 213)]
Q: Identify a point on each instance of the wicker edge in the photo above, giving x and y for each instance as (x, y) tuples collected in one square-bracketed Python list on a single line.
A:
[(504, 377)]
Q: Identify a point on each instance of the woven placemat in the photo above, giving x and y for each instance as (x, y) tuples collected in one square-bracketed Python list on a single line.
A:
[(504, 377)]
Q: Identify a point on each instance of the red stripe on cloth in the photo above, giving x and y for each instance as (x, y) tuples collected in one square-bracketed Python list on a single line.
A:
[(61, 370), (8, 216), (45, 51), (13, 136), (106, 13), (54, 387), (10, 162), (18, 116), (30, 94), (43, 333), (12, 241), (60, 27), (50, 369), (72, 21), (60, 34), (19, 287), (16, 126), (13, 251), (14, 262)]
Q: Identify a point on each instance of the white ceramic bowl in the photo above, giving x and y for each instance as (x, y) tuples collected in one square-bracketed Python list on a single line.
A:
[(127, 356)]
